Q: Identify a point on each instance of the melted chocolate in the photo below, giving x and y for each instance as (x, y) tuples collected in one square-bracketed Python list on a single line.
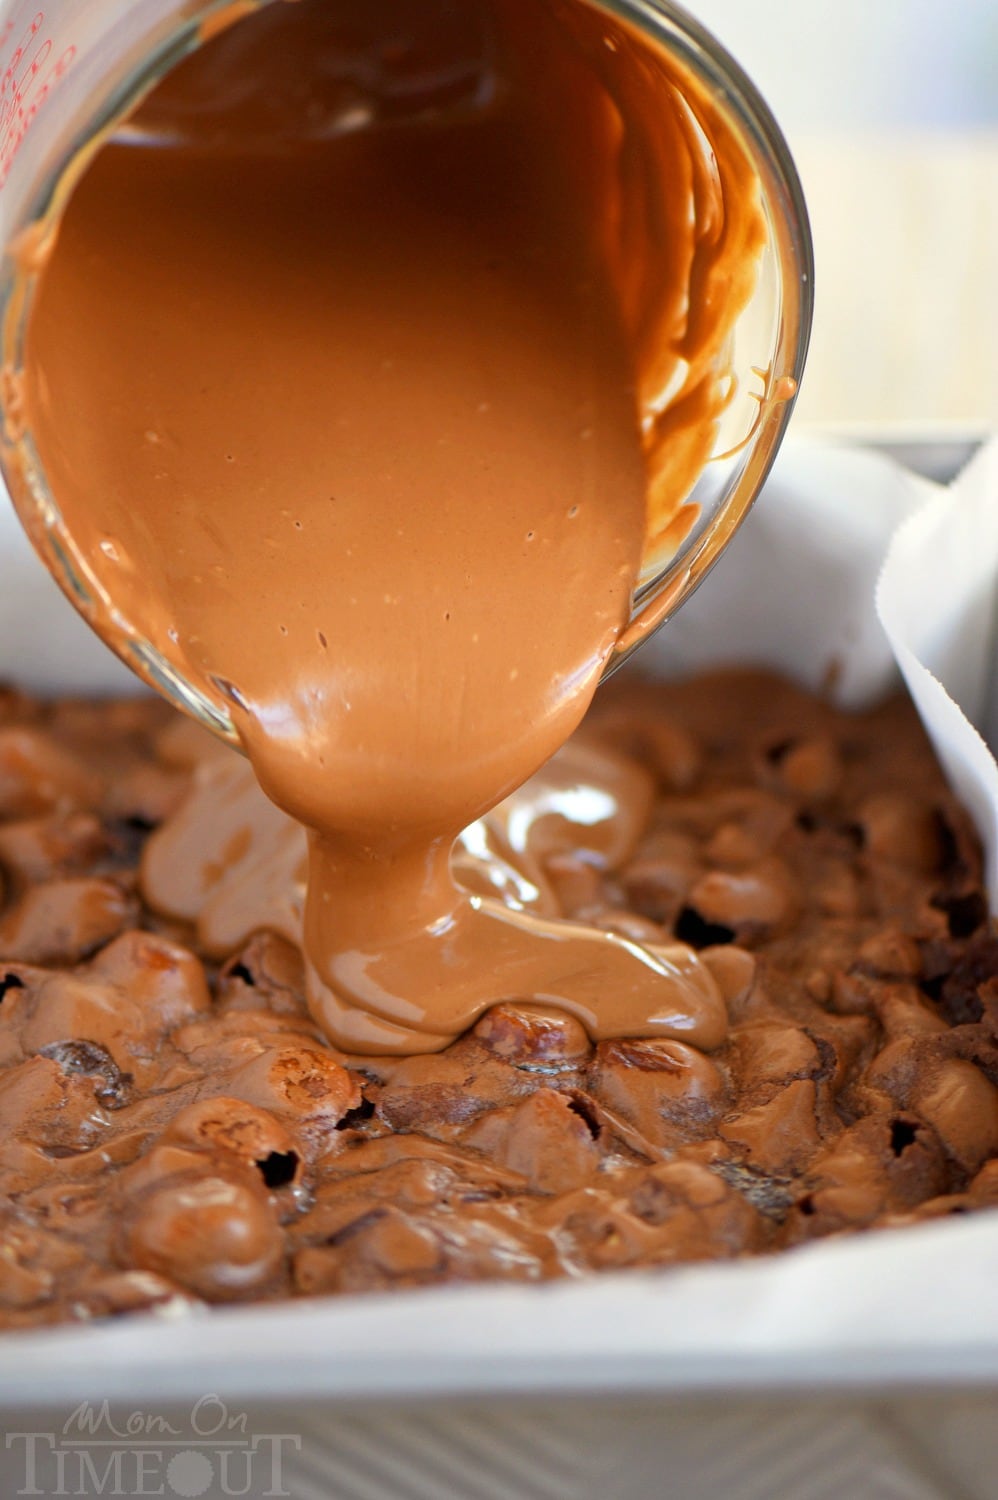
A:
[(369, 362)]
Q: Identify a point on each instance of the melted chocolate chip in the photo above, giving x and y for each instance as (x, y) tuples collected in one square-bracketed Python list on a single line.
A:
[(957, 991)]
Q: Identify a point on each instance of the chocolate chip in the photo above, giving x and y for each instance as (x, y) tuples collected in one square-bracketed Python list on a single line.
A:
[(279, 1168), (692, 928), (957, 993)]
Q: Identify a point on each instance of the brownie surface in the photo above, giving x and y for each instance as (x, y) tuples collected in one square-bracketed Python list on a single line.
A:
[(173, 1128)]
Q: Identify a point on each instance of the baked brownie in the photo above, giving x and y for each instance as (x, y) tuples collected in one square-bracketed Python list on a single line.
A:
[(176, 1128)]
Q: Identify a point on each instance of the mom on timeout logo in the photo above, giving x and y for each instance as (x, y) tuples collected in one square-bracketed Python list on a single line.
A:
[(97, 1452)]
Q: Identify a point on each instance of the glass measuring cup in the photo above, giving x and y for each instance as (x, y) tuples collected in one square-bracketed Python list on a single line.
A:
[(74, 69)]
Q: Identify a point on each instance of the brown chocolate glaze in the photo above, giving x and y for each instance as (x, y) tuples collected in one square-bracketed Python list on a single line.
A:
[(231, 862), (174, 1125), (368, 362)]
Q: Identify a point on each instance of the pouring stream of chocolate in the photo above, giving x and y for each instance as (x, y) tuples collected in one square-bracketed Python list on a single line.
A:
[(369, 359)]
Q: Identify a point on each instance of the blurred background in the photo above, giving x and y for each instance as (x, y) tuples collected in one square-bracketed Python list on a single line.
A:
[(891, 111)]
